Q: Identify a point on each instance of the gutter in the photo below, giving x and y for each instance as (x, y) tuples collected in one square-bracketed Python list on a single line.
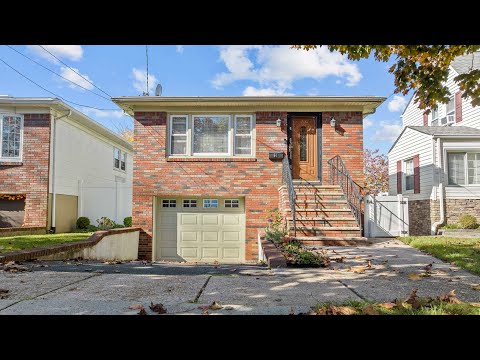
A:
[(54, 190), (435, 225)]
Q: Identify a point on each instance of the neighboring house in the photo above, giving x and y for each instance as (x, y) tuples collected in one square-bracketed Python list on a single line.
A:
[(208, 171), (437, 156), (57, 164)]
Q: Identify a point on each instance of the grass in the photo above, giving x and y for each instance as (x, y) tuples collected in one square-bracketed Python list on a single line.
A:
[(427, 307), (14, 243), (462, 252)]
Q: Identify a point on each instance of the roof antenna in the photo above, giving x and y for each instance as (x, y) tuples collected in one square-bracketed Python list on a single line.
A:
[(158, 90), (146, 52)]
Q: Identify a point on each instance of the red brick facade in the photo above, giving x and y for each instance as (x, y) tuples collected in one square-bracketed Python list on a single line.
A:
[(345, 140), (257, 180), (30, 177)]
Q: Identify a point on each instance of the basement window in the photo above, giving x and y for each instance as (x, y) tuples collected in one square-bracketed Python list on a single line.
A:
[(11, 137)]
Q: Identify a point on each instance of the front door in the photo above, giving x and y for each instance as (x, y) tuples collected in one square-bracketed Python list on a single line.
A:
[(304, 148)]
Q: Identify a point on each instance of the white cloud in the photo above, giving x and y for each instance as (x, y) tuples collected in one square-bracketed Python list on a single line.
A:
[(388, 131), (117, 114), (398, 103), (180, 49), (70, 52), (253, 91), (367, 123), (140, 80), (279, 66), (72, 76)]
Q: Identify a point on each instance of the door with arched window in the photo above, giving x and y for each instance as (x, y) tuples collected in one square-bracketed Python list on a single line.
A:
[(304, 148)]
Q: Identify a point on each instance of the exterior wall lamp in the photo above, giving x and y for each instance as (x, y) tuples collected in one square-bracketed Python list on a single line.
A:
[(279, 122), (333, 122)]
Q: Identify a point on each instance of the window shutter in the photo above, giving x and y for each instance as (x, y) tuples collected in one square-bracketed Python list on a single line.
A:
[(458, 106), (416, 173), (425, 120), (399, 176)]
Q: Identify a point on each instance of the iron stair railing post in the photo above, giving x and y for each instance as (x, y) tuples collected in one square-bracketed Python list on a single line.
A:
[(288, 181)]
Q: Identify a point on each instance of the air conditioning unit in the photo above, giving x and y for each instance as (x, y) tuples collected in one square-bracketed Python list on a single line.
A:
[(443, 121)]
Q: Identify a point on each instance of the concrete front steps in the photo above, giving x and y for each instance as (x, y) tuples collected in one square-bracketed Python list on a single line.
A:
[(323, 216)]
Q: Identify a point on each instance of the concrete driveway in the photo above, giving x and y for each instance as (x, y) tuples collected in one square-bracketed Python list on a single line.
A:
[(97, 288)]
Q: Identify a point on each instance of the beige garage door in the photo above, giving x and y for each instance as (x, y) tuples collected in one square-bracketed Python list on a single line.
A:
[(211, 237), (196, 234)]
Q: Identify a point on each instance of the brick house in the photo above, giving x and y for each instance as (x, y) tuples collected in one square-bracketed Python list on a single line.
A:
[(435, 161), (57, 164), (208, 171)]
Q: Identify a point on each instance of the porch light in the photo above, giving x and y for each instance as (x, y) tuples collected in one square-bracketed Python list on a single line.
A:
[(279, 122), (333, 122)]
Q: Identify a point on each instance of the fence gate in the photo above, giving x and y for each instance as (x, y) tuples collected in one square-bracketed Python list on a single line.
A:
[(386, 216)]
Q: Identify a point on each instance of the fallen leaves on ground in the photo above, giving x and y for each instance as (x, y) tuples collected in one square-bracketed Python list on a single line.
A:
[(369, 310), (3, 293), (136, 307), (343, 310), (142, 312), (215, 306), (99, 271), (357, 270), (451, 298), (428, 268), (414, 276), (475, 286), (158, 308), (388, 305), (339, 259), (205, 312), (14, 267), (413, 299), (475, 304), (358, 257), (113, 262), (292, 312), (369, 265)]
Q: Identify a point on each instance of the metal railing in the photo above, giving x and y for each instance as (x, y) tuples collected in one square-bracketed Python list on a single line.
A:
[(339, 176), (287, 180)]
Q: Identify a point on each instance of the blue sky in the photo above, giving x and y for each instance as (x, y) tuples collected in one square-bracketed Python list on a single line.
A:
[(201, 70)]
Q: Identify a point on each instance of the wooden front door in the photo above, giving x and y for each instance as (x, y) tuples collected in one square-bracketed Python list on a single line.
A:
[(304, 148)]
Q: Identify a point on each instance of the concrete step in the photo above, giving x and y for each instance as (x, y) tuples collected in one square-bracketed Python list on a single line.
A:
[(326, 210), (322, 218), (331, 241), (326, 228), (321, 201), (348, 238)]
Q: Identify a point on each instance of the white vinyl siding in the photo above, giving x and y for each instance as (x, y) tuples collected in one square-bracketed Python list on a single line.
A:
[(11, 137), (413, 116), (403, 150)]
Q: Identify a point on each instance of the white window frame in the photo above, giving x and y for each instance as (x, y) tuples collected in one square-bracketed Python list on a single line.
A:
[(465, 165), (229, 139), (189, 202), (170, 135), (404, 185), (210, 204), (169, 202), (231, 203), (123, 158), (20, 153), (437, 118), (243, 135), (121, 152), (451, 113)]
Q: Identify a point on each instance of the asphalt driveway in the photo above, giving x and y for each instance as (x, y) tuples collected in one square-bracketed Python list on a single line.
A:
[(55, 287)]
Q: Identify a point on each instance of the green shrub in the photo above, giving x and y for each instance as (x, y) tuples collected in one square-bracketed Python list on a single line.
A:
[(118, 226), (127, 221), (104, 223), (274, 235), (450, 226), (308, 258), (83, 222), (292, 248), (91, 228), (468, 222)]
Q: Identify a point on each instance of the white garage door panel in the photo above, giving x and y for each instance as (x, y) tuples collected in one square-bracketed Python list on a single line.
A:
[(167, 223), (211, 237)]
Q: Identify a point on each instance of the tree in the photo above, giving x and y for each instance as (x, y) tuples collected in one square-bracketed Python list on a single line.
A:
[(376, 172), (422, 68)]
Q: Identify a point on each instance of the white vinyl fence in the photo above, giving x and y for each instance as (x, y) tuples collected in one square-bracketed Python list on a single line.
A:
[(386, 216)]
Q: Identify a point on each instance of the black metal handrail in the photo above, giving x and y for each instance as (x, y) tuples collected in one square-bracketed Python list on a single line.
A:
[(339, 176), (287, 180)]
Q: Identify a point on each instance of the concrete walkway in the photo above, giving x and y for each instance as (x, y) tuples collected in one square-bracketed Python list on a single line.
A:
[(97, 288)]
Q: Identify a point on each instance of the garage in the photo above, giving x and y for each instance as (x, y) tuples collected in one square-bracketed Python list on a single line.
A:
[(200, 229)]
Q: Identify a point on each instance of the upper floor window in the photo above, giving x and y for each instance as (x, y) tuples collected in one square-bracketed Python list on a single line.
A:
[(211, 135), (409, 175), (11, 129), (450, 110), (119, 159), (435, 116)]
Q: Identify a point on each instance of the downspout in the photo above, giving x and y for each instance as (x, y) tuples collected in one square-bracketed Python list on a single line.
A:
[(435, 225), (54, 190)]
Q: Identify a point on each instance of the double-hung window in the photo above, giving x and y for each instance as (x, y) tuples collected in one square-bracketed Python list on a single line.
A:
[(243, 135), (409, 175), (119, 159), (211, 135), (11, 131), (434, 116), (463, 168), (450, 119)]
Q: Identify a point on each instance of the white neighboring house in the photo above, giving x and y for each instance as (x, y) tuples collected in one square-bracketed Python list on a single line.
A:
[(89, 168), (435, 161)]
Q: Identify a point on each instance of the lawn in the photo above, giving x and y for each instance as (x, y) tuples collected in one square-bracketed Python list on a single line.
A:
[(462, 252), (14, 243)]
